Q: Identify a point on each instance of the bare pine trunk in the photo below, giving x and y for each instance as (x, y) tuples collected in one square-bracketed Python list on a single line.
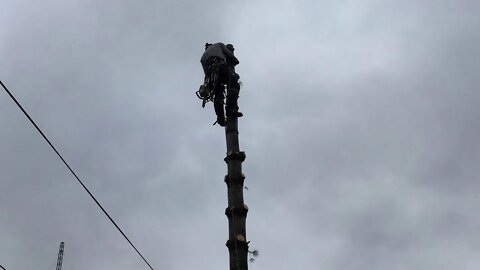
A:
[(236, 210)]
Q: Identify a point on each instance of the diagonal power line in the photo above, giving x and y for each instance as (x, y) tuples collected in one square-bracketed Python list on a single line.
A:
[(74, 174)]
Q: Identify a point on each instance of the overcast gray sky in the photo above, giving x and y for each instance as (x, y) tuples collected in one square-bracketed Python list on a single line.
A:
[(361, 130)]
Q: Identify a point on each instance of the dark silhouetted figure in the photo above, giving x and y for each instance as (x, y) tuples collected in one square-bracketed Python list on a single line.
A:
[(218, 62)]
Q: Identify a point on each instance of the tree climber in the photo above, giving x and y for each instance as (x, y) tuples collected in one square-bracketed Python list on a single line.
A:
[(218, 62)]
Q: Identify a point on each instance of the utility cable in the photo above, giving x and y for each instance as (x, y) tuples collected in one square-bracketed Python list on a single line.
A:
[(1, 265), (74, 174)]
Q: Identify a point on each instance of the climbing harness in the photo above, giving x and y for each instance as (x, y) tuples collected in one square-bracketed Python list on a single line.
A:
[(206, 90)]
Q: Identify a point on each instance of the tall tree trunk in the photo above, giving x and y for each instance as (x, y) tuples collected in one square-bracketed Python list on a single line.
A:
[(236, 211)]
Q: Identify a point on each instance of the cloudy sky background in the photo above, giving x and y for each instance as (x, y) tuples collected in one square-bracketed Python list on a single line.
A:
[(361, 130)]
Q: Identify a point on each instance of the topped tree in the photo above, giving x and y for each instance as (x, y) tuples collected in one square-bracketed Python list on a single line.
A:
[(218, 62)]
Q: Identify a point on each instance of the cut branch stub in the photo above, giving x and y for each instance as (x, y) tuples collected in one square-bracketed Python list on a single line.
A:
[(235, 156), (239, 211), (240, 179), (239, 242)]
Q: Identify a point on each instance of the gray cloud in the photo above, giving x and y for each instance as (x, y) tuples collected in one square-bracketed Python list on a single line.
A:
[(360, 130)]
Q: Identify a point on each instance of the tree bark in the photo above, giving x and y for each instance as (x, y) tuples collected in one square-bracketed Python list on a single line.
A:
[(236, 211)]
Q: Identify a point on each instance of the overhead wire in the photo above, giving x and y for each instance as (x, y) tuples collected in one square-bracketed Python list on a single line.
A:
[(74, 174)]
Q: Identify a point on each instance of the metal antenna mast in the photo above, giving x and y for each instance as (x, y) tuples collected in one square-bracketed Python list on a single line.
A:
[(60, 256)]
